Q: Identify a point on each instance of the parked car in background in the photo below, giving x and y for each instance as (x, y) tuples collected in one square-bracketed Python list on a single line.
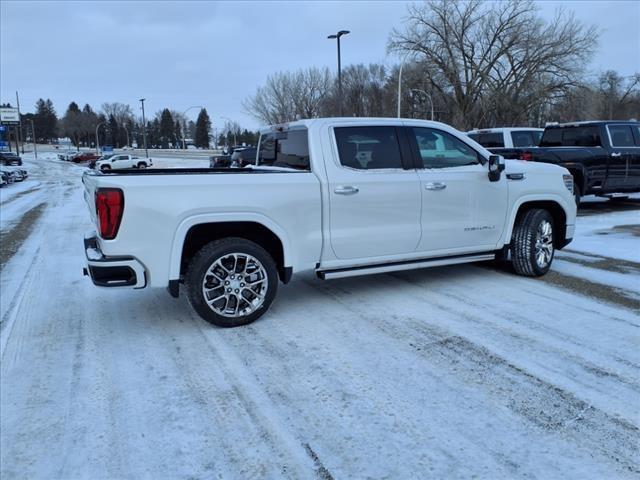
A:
[(85, 157), (15, 174), (338, 197), (602, 156), (120, 161), (239, 157), (8, 158), (497, 140), (92, 163), (67, 155)]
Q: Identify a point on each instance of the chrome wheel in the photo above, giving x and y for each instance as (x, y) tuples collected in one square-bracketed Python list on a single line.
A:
[(544, 244), (235, 285)]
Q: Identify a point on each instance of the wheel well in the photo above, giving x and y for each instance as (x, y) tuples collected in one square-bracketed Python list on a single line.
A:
[(578, 178), (199, 235), (558, 215)]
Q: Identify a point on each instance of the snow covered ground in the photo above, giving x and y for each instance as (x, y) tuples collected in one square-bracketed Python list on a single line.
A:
[(457, 372)]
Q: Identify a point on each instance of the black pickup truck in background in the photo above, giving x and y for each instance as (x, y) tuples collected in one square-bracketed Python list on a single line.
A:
[(602, 156)]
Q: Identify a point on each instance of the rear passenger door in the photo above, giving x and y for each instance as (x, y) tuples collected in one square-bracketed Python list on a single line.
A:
[(374, 194), (623, 157)]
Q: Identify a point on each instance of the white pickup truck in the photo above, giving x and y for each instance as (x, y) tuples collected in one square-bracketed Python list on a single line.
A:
[(120, 161), (339, 197)]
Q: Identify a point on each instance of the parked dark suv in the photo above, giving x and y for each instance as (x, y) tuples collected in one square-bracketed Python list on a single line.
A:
[(7, 158), (241, 157)]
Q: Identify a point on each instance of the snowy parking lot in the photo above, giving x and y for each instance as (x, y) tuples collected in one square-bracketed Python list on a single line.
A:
[(458, 372)]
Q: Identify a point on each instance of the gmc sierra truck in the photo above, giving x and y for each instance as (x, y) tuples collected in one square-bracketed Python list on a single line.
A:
[(339, 197), (603, 156)]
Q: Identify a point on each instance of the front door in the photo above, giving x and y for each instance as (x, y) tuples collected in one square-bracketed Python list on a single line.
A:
[(462, 211), (375, 200)]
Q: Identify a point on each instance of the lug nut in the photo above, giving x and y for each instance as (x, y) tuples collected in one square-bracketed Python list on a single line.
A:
[(242, 284), (237, 291), (227, 282), (232, 277), (229, 290)]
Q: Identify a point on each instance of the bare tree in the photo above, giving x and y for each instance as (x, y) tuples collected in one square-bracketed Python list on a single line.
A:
[(120, 111), (496, 61), (289, 96)]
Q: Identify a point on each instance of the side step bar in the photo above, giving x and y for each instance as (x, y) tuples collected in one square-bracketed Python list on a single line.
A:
[(398, 266)]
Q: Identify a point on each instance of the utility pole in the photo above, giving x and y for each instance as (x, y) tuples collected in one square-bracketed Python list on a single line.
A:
[(337, 37), (20, 122), (33, 133), (97, 139), (144, 129)]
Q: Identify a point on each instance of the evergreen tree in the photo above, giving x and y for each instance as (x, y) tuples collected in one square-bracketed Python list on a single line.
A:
[(178, 134), (166, 128), (113, 131), (71, 124), (45, 120), (203, 127)]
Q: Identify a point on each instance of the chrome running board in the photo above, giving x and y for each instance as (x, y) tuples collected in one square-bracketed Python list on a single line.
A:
[(399, 266)]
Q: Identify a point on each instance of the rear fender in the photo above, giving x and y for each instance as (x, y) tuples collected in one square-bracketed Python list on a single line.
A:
[(186, 224)]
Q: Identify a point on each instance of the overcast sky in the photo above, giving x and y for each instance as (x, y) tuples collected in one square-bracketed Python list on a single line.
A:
[(179, 54)]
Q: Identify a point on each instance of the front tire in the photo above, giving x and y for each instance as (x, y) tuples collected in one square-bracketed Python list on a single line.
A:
[(577, 194), (231, 282), (105, 167), (532, 247)]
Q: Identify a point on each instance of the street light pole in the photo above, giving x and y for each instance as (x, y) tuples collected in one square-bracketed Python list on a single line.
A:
[(184, 114), (20, 122), (426, 95), (33, 132), (97, 140), (144, 129), (337, 37)]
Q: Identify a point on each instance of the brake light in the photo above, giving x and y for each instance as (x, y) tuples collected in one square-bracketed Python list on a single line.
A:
[(109, 209), (526, 156)]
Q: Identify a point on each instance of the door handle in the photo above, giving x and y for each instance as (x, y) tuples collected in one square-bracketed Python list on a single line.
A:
[(346, 190), (616, 154), (435, 186)]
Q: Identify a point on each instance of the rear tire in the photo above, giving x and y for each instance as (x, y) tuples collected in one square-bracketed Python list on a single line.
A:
[(142, 165), (213, 281), (532, 246)]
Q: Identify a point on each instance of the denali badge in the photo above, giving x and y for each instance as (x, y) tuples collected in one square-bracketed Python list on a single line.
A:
[(482, 227)]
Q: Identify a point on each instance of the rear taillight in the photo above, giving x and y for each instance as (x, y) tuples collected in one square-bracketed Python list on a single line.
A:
[(526, 156), (109, 208)]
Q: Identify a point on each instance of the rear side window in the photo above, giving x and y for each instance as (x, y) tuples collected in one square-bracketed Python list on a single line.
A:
[(582, 136), (621, 136), (524, 138), (489, 139), (285, 149), (368, 148)]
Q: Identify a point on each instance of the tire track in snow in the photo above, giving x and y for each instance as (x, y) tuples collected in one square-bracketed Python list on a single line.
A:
[(542, 404)]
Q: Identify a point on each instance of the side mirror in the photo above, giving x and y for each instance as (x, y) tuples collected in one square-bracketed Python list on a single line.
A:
[(496, 167)]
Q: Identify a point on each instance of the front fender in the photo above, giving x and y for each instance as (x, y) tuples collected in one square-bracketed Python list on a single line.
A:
[(567, 204), (187, 223)]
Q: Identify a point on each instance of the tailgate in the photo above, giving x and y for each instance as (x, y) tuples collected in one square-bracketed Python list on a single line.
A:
[(90, 185)]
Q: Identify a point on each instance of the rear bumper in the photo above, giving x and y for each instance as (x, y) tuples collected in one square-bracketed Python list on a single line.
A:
[(112, 271)]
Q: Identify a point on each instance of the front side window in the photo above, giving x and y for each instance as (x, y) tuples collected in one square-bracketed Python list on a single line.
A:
[(439, 149), (621, 136), (289, 149), (368, 148)]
